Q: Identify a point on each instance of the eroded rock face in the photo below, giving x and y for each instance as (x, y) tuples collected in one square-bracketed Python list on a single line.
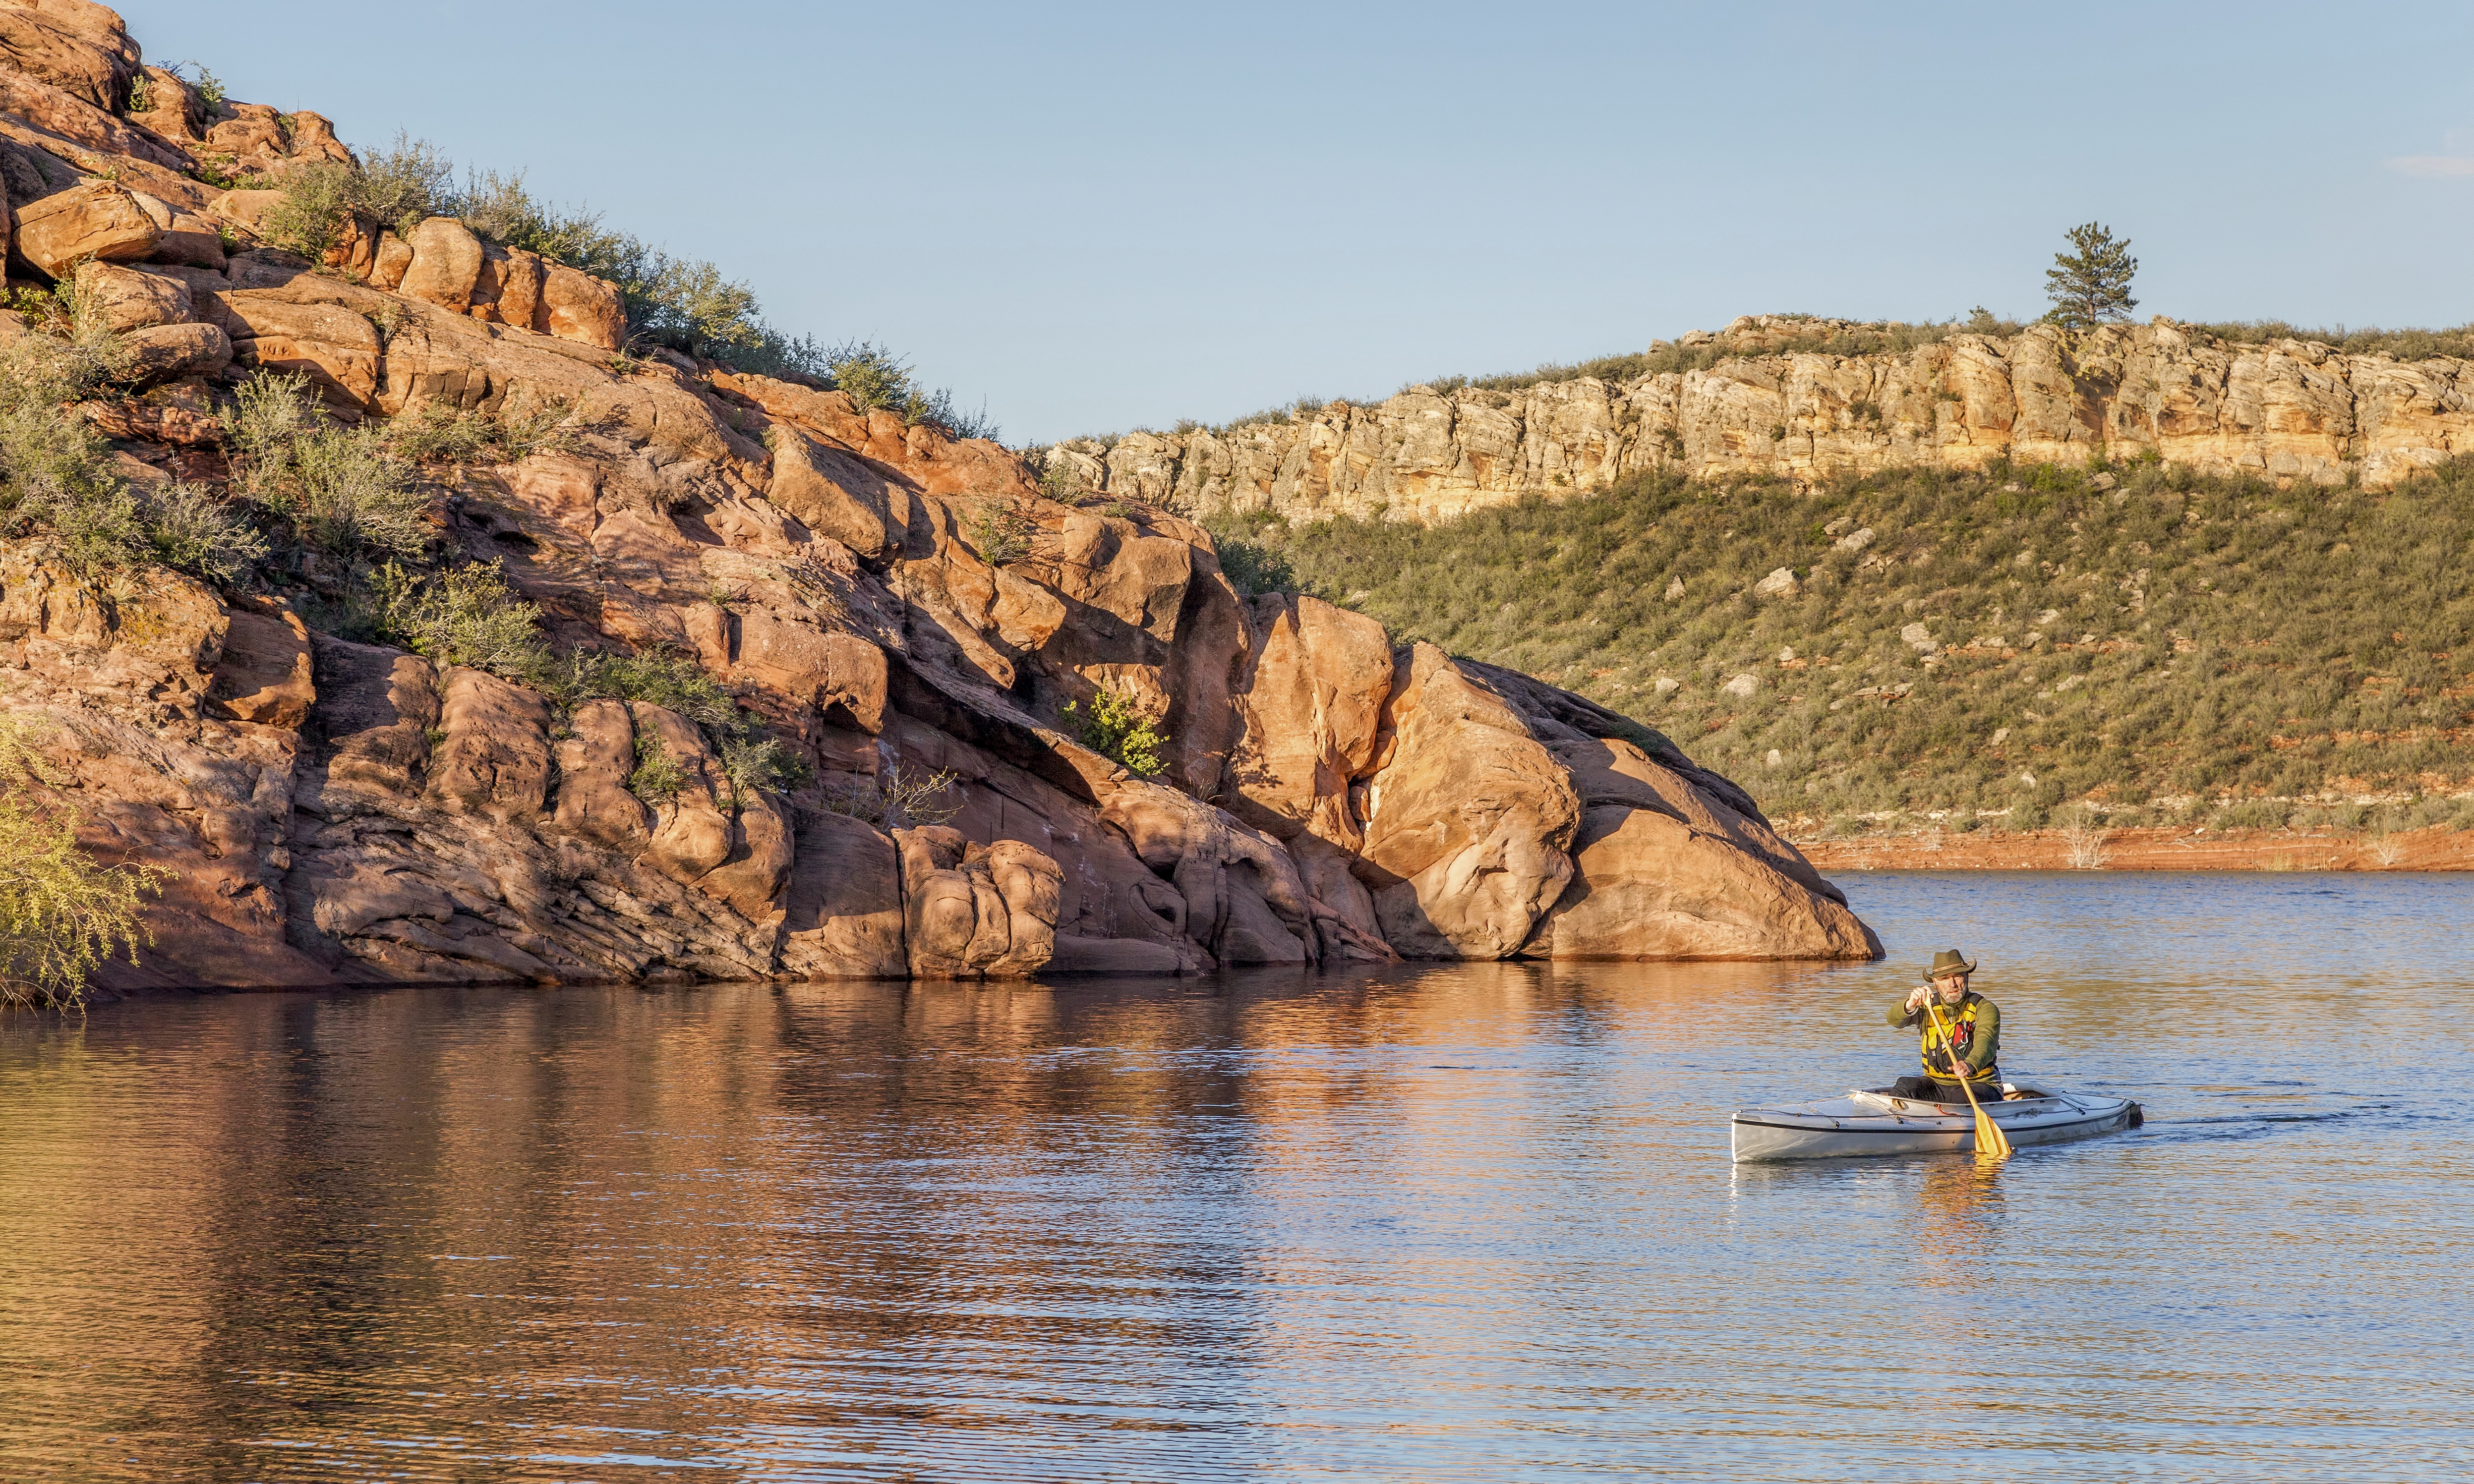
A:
[(974, 911), (1312, 708), (1667, 870), (1470, 819), (2285, 410), (911, 630), (96, 220)]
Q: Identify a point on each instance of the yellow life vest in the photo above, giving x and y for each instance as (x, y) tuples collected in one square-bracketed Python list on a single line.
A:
[(1962, 1024)]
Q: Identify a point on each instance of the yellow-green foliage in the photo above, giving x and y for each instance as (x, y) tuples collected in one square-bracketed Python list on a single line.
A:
[(658, 776), (1114, 727), (344, 489), (56, 475), (62, 916), (2211, 644)]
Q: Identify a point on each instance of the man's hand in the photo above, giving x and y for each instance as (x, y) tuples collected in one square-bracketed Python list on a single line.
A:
[(1916, 1000)]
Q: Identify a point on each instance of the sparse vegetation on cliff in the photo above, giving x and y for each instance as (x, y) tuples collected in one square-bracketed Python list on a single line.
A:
[(62, 916), (56, 477), (687, 304), (1825, 338), (1979, 648), (1115, 727)]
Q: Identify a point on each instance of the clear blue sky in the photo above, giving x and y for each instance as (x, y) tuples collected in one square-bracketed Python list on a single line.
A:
[(1098, 217)]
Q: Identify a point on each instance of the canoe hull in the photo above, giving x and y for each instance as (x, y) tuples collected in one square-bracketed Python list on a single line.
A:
[(1866, 1124)]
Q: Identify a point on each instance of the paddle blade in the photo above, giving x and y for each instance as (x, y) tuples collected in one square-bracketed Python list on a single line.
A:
[(1991, 1144)]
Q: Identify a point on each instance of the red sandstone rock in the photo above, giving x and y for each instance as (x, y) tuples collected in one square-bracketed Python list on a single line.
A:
[(95, 219), (339, 810)]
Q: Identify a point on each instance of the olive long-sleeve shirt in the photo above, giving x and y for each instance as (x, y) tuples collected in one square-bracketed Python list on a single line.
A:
[(1982, 1048)]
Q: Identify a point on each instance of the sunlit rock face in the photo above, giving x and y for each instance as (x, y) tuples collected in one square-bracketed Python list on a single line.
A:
[(918, 634), (2288, 409)]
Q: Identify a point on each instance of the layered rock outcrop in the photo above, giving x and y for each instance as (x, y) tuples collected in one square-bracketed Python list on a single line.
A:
[(899, 613), (2288, 409)]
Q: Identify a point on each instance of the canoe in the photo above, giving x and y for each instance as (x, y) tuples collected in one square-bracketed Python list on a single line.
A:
[(1875, 1122)]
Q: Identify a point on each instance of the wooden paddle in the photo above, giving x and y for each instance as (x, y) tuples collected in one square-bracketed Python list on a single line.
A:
[(1991, 1144)]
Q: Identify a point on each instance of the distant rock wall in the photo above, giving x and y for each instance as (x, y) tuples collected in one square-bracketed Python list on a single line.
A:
[(2287, 410)]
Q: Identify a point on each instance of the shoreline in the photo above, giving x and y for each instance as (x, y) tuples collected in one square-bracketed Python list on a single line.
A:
[(2165, 848)]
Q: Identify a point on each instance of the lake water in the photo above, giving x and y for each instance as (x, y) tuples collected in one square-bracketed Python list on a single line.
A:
[(1440, 1224)]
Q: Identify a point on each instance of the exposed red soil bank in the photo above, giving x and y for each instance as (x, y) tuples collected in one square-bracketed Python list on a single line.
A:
[(2148, 850)]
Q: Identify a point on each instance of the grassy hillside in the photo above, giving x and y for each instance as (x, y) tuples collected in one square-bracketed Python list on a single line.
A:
[(2135, 643)]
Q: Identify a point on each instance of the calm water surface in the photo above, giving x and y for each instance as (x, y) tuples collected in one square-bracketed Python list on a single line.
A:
[(1462, 1223)]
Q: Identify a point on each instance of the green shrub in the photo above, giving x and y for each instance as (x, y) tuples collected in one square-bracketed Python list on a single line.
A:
[(1114, 727), (684, 303), (659, 775), (395, 187), (318, 200), (1000, 534), (57, 478), (873, 377), (433, 432), (675, 682), (1251, 566), (345, 490), (62, 916), (194, 530), (463, 616), (758, 765)]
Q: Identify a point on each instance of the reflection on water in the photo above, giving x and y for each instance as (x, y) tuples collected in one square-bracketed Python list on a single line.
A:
[(1458, 1223)]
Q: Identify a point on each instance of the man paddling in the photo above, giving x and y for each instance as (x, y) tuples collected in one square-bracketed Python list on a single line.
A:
[(1973, 1046)]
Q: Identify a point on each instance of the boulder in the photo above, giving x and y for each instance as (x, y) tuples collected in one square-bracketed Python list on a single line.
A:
[(840, 675), (389, 262), (80, 48), (175, 109), (494, 759), (1114, 566), (1470, 820), (973, 911), (264, 675), (376, 707), (761, 851), (509, 288), (837, 493), (191, 241), (575, 305), (336, 349), (246, 208), (125, 298), (1240, 894), (168, 352), (1610, 771), (252, 134), (692, 827), (94, 220), (446, 264), (313, 137), (1649, 886), (1311, 703), (842, 903), (594, 762)]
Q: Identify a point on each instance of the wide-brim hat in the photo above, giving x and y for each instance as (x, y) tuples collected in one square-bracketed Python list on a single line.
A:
[(1949, 961)]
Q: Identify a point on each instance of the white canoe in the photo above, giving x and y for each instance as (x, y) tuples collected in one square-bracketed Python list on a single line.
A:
[(1875, 1122)]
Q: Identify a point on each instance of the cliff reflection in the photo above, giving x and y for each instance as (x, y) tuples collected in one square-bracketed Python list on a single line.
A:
[(513, 1225)]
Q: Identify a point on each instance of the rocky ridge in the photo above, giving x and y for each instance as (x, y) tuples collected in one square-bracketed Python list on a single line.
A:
[(2287, 410), (334, 810)]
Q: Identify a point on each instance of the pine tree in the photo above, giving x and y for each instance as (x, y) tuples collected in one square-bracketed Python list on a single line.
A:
[(2093, 284)]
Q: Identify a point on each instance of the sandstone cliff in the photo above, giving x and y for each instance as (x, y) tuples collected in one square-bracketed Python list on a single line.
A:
[(890, 602), (2287, 410)]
